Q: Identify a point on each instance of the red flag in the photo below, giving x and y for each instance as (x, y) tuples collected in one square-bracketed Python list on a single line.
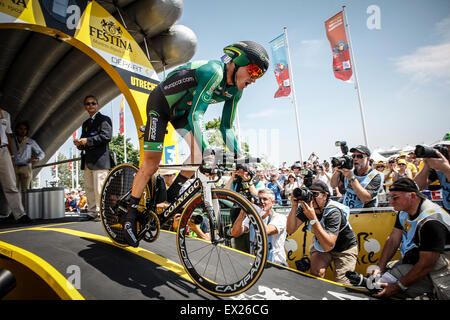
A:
[(121, 118), (74, 135), (335, 30)]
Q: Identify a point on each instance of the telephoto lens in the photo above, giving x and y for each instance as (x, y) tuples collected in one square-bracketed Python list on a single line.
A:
[(358, 280)]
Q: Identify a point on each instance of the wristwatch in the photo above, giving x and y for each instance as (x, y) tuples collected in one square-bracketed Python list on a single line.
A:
[(352, 179), (313, 222), (402, 286)]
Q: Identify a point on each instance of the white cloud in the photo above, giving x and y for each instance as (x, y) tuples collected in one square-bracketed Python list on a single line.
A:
[(429, 63), (443, 28), (426, 63)]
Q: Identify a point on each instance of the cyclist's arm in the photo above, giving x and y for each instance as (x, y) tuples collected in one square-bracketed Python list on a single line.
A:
[(226, 124), (208, 78)]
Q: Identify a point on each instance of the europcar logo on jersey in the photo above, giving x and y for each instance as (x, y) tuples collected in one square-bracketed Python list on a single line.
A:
[(110, 33)]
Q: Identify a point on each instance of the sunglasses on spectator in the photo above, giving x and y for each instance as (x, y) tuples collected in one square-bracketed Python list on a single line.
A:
[(393, 197), (254, 71), (90, 103), (359, 156), (380, 167)]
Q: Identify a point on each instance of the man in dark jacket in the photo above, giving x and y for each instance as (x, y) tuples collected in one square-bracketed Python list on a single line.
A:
[(95, 157)]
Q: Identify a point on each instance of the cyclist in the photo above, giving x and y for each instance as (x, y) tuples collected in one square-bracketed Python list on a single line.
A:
[(182, 98)]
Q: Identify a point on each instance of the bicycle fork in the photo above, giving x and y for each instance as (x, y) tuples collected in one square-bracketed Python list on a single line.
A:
[(213, 211)]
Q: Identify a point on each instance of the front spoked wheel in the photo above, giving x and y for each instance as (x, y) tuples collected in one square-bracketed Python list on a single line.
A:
[(216, 268), (114, 201)]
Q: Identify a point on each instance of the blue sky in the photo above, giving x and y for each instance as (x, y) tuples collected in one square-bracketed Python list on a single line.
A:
[(403, 70)]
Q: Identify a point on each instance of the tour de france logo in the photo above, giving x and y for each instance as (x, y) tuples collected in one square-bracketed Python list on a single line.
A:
[(110, 28)]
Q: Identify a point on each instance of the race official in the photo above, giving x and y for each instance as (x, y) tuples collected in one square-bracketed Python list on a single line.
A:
[(95, 157)]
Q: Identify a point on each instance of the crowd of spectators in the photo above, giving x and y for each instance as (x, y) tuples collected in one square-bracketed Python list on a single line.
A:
[(76, 201)]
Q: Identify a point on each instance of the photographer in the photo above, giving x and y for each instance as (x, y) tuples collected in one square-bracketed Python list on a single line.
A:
[(334, 239), (275, 224), (362, 184), (437, 168), (422, 231), (242, 182)]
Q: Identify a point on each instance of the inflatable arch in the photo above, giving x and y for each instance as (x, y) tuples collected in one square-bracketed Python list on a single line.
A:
[(54, 52)]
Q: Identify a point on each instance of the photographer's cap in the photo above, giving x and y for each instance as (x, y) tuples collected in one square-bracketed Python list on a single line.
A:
[(362, 149), (319, 186), (406, 185)]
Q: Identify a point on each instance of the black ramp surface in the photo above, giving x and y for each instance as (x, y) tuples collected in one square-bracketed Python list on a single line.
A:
[(152, 271)]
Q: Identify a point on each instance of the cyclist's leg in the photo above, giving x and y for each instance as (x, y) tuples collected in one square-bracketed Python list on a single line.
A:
[(195, 156), (155, 130)]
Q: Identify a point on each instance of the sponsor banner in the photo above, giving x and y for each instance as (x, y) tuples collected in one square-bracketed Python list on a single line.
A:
[(170, 154), (335, 30), (281, 67), (21, 11)]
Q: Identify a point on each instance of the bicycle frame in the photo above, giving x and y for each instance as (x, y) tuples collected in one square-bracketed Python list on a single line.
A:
[(201, 184)]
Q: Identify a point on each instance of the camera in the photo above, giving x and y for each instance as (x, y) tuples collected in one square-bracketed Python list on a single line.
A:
[(246, 168), (302, 194), (344, 162), (197, 218), (371, 283), (307, 177), (422, 151), (303, 264)]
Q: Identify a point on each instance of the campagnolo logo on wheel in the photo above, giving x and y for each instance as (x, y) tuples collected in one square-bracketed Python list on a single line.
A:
[(184, 196)]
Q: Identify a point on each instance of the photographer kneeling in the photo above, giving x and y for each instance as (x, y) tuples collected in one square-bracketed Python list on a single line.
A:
[(362, 184), (334, 239)]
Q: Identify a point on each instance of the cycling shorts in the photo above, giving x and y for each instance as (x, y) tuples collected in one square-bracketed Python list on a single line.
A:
[(158, 115)]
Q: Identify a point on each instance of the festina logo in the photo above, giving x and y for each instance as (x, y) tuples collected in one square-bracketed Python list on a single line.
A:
[(110, 34)]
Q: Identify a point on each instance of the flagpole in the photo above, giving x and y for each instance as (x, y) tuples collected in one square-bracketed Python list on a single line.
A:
[(124, 134), (291, 72), (361, 108)]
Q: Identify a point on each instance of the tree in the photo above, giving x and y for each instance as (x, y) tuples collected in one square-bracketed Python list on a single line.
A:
[(116, 145), (65, 174)]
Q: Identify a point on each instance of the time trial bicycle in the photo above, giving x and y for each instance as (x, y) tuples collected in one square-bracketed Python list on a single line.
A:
[(211, 264)]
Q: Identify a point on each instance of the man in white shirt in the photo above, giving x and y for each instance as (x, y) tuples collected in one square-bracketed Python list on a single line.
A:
[(274, 222), (8, 177), (26, 152)]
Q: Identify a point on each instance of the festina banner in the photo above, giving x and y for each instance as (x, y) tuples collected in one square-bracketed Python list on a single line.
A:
[(281, 67), (335, 29)]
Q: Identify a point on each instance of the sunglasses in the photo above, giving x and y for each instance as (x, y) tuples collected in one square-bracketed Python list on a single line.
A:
[(380, 167), (394, 197), (90, 103), (359, 156), (254, 71)]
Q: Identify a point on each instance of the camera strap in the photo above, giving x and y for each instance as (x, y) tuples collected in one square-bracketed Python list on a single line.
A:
[(305, 227)]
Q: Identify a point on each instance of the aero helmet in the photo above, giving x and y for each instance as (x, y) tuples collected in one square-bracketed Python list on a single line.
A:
[(243, 53)]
